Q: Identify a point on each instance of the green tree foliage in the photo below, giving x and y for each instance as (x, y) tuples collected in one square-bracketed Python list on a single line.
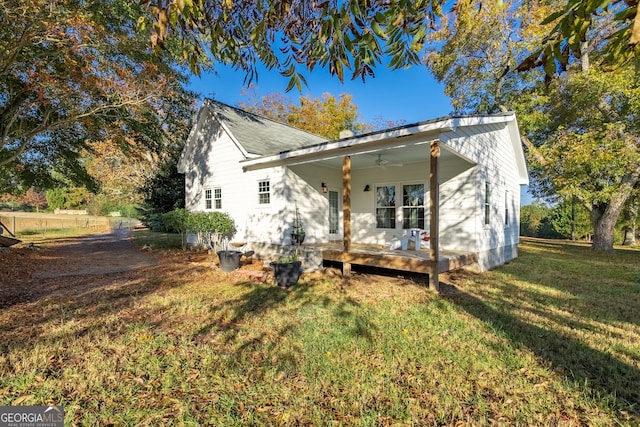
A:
[(72, 73), (571, 221), (343, 36), (573, 31), (162, 192), (535, 220), (68, 197), (629, 218), (561, 221), (325, 116), (584, 129), (476, 48), (580, 128), (177, 221)]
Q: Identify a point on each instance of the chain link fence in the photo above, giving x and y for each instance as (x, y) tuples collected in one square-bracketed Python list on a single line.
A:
[(31, 224)]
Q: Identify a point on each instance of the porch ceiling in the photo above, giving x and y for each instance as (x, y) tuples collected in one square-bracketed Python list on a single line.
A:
[(391, 157)]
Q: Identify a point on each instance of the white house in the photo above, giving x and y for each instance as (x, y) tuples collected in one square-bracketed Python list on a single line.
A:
[(259, 171)]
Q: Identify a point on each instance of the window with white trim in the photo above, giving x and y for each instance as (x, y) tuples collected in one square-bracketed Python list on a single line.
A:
[(217, 198), (264, 192), (207, 198), (413, 206), (386, 206), (487, 203)]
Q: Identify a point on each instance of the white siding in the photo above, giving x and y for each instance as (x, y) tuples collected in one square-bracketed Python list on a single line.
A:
[(212, 159), (490, 146), (363, 203)]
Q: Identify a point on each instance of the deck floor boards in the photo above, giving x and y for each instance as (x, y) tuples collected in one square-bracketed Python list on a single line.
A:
[(409, 260)]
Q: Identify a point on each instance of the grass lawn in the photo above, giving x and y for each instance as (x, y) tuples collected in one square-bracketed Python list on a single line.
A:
[(552, 338)]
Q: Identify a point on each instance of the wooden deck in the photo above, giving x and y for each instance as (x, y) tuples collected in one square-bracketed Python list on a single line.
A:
[(409, 260)]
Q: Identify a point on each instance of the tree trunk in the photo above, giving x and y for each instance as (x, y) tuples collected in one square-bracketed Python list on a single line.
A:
[(630, 229), (604, 222), (584, 56), (605, 215), (629, 237)]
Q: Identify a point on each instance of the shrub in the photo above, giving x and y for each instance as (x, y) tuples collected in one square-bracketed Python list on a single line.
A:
[(177, 221), (212, 228)]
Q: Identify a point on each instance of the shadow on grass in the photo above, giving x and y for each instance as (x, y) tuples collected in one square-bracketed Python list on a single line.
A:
[(84, 301), (604, 287), (260, 299), (598, 373)]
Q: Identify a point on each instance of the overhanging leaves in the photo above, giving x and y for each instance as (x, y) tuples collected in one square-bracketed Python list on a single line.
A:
[(353, 35)]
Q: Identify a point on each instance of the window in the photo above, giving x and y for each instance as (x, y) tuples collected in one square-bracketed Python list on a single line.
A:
[(386, 206), (264, 193), (487, 205), (207, 198), (506, 207), (217, 198), (413, 206)]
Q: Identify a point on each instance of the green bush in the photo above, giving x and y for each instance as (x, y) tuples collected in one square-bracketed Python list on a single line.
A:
[(68, 197), (211, 228), (176, 221)]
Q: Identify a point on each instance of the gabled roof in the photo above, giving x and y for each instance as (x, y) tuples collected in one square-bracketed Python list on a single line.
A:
[(259, 135)]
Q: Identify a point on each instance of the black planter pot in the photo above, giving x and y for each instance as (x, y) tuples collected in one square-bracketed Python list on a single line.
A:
[(286, 273), (297, 239), (229, 260)]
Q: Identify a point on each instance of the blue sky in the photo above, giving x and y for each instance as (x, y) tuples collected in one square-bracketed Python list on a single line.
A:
[(412, 95)]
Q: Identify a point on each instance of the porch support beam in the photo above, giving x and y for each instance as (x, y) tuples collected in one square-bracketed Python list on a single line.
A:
[(346, 211), (434, 210)]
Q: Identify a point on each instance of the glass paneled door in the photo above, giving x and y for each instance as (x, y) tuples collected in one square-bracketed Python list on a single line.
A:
[(334, 214)]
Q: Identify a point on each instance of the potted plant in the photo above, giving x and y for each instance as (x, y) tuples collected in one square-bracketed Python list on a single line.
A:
[(215, 229), (287, 271), (224, 229), (229, 259), (297, 230)]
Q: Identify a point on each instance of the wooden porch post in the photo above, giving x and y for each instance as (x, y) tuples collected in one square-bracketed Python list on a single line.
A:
[(346, 211), (434, 211)]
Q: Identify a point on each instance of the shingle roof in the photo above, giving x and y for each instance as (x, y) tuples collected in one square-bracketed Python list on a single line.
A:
[(260, 135)]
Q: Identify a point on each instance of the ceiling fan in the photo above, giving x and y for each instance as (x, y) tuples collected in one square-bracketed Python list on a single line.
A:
[(384, 163)]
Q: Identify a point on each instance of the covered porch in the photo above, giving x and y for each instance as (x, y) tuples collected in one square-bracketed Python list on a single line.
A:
[(410, 155)]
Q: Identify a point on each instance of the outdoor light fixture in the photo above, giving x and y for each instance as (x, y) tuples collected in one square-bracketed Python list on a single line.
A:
[(367, 188), (324, 187)]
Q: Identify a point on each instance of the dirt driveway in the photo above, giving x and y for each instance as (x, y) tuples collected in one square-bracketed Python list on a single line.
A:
[(27, 274)]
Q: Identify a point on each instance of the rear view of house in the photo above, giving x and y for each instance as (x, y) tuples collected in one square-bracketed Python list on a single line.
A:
[(364, 189)]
